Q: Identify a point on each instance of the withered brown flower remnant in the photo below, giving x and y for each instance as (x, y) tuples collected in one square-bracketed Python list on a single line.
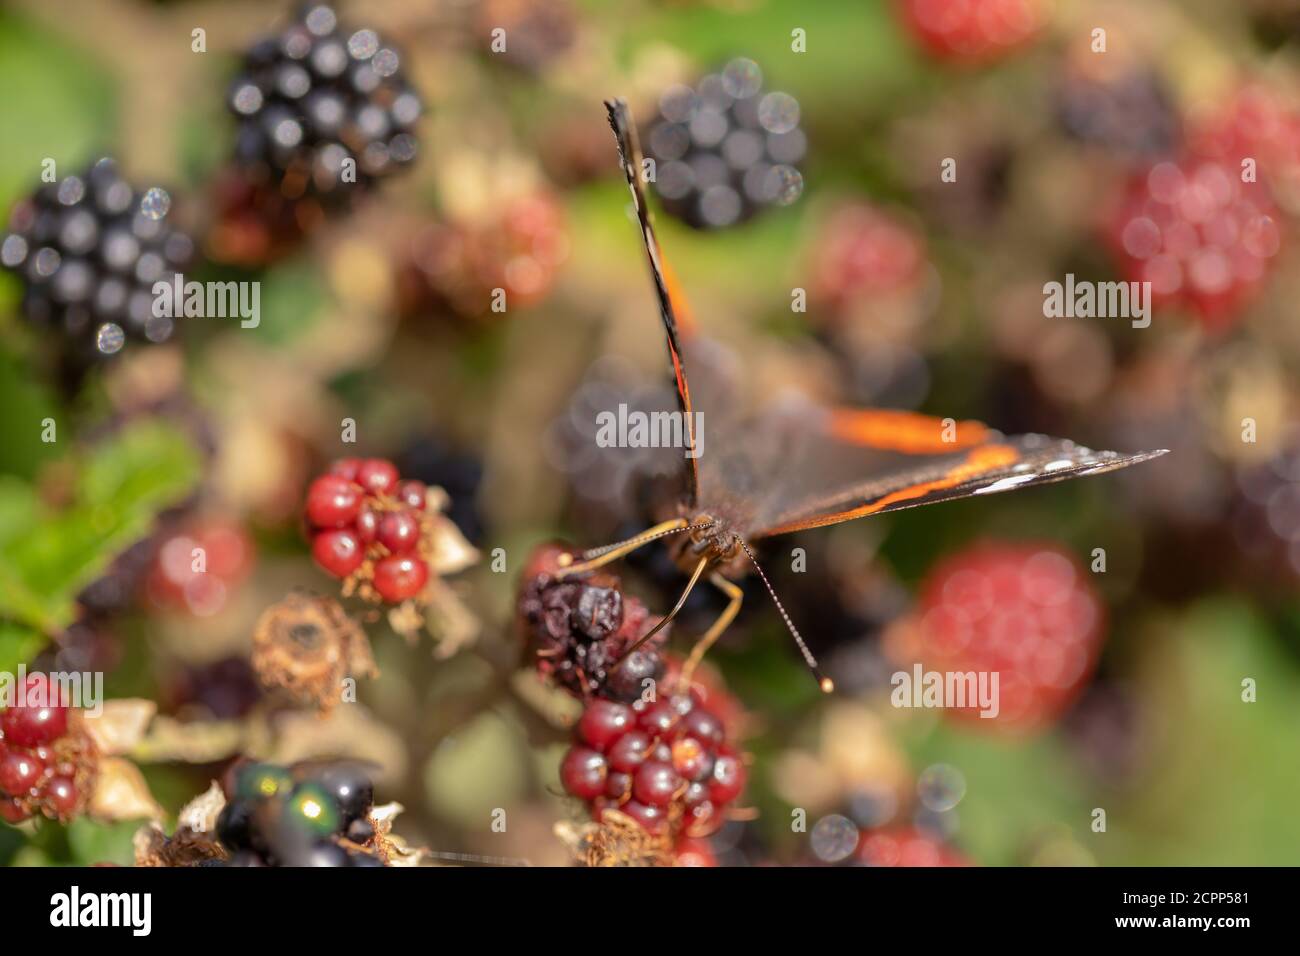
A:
[(580, 627), (617, 840), (307, 645), (186, 847)]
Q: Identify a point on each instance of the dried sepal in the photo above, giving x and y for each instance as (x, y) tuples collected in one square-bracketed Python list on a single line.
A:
[(120, 725), (392, 849), (200, 814), (382, 815), (396, 852), (170, 740), (120, 793), (449, 550)]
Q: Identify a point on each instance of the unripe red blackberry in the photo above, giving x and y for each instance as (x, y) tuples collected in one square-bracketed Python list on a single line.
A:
[(1024, 611), (518, 247), (864, 255), (323, 108), (47, 762), (971, 32), (665, 762), (905, 846), (581, 627), (89, 249), (725, 150), (1204, 238), (370, 529), (39, 716), (199, 565), (1260, 123)]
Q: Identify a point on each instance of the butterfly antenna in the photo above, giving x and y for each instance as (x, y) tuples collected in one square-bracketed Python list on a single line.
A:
[(681, 601), (642, 538), (827, 685)]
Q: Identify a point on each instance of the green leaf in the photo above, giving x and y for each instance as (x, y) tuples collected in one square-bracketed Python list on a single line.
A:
[(59, 104), (1214, 788), (19, 507), (92, 843), (18, 645), (122, 486), (27, 402), (293, 297), (1016, 790)]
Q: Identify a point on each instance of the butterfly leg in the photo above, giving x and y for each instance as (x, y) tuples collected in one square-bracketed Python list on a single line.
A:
[(602, 556), (663, 622), (715, 630)]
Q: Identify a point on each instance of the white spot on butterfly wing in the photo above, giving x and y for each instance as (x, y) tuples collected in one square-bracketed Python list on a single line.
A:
[(1005, 484)]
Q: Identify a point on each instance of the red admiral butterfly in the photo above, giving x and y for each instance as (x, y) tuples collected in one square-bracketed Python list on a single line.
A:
[(806, 466)]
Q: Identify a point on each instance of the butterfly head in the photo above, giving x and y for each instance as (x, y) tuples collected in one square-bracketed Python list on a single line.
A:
[(712, 536)]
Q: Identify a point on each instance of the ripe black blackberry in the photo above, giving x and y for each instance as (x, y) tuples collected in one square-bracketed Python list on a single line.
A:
[(1132, 114), (724, 151), (89, 249), (322, 108), (436, 462)]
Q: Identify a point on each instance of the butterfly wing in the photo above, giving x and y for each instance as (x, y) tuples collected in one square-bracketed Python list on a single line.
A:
[(672, 309), (848, 463)]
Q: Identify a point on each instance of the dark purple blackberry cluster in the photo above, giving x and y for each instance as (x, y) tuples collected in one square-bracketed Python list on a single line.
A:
[(579, 628), (1266, 516), (1132, 114), (724, 151), (310, 814), (89, 249), (537, 32), (322, 108)]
